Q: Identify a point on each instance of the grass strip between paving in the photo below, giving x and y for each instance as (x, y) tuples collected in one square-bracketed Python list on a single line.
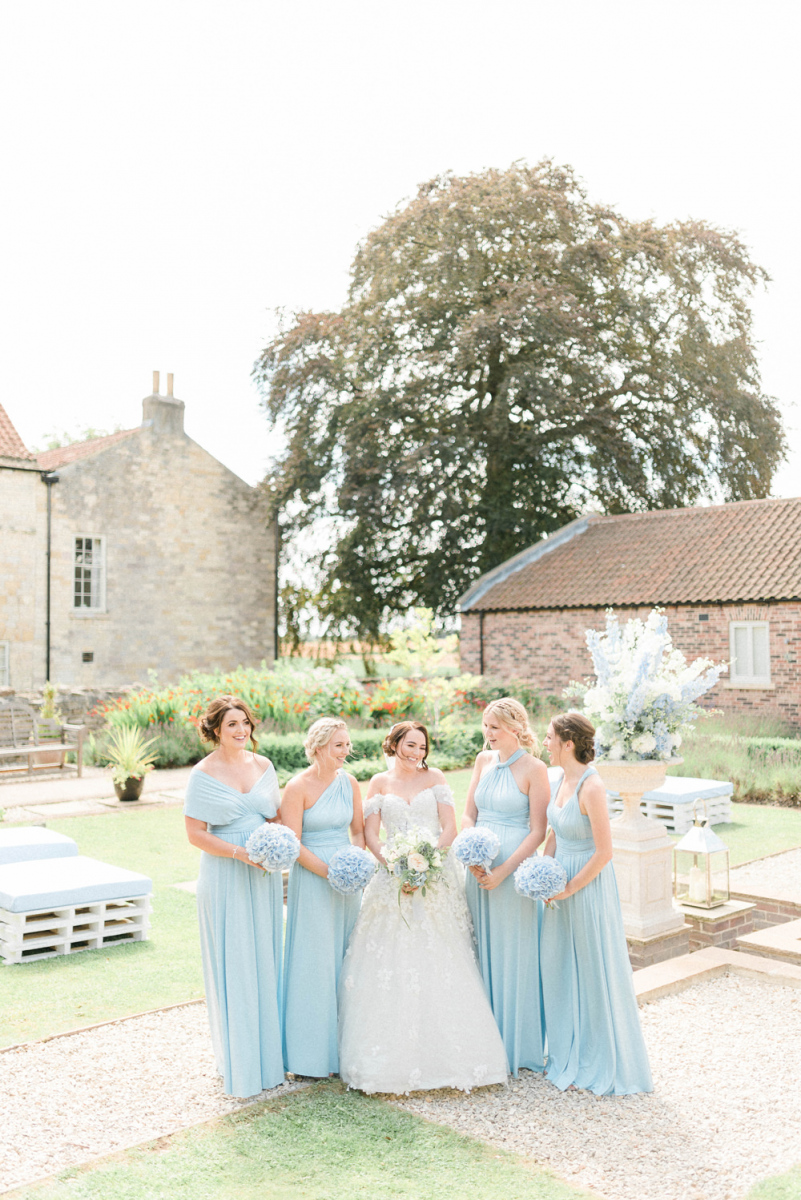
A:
[(324, 1143)]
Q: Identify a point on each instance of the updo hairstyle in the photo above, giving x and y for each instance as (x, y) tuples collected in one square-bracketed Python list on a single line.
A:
[(575, 728), (213, 717), (511, 714), (320, 734), (396, 735)]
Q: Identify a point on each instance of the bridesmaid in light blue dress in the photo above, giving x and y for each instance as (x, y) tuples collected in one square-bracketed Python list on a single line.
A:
[(509, 794), (320, 805), (231, 793), (591, 1016)]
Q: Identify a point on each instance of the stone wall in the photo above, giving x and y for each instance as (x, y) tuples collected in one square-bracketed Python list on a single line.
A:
[(549, 649), (76, 705), (22, 570)]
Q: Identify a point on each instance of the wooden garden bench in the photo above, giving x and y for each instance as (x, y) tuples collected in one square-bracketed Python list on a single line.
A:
[(21, 748)]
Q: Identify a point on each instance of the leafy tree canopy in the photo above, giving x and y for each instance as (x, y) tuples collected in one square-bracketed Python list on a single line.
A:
[(509, 356)]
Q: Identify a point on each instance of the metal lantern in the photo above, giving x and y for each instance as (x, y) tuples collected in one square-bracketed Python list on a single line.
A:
[(701, 865)]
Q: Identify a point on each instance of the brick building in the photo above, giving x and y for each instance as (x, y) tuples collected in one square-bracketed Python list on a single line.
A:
[(728, 577), (133, 551)]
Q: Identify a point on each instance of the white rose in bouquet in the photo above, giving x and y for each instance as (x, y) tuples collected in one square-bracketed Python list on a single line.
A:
[(417, 862)]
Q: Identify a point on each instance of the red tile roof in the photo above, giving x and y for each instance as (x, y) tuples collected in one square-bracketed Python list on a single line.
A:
[(11, 444), (50, 460), (744, 552)]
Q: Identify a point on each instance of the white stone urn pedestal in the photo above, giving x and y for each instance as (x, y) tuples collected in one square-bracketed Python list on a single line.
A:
[(643, 858)]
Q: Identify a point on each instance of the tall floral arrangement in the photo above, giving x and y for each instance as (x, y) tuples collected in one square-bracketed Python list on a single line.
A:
[(645, 694)]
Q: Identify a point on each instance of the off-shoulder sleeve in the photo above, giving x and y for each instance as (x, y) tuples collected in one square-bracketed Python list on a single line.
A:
[(269, 793), (443, 794), (373, 805), (207, 800)]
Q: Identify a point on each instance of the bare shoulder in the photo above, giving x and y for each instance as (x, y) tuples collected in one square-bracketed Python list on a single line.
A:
[(296, 786), (262, 760), (378, 783), (537, 767), (436, 777), (207, 764), (484, 757), (593, 788)]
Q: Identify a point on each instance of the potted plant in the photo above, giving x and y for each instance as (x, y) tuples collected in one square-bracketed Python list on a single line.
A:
[(48, 726), (130, 759)]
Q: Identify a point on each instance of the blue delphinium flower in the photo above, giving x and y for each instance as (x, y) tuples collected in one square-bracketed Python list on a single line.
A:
[(476, 847), (539, 878), (274, 847), (351, 869)]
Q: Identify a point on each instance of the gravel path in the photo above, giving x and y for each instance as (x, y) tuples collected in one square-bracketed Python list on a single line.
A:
[(66, 1101), (726, 1059), (781, 873)]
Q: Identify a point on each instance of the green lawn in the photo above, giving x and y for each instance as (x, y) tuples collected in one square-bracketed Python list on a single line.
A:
[(779, 1187), (319, 1144)]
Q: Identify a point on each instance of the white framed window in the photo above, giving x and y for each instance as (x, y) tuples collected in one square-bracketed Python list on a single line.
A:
[(89, 589), (749, 645), (5, 664)]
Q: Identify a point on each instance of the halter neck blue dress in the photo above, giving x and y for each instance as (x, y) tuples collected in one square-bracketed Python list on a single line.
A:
[(506, 924), (240, 911), (591, 1016), (318, 929)]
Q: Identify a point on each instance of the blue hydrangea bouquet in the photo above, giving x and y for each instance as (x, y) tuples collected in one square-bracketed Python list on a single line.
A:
[(351, 869), (477, 847), (540, 878), (273, 847)]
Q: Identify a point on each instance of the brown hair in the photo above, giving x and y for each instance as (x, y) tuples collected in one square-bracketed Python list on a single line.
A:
[(513, 716), (575, 728), (214, 716), (398, 732)]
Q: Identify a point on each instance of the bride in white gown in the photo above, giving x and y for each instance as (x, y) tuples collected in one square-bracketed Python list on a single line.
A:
[(413, 1013)]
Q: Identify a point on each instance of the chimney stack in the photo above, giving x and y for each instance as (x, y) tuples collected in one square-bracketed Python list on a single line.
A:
[(163, 414)]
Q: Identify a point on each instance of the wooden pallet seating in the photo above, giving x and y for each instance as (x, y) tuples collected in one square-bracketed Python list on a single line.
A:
[(25, 843), (63, 905), (672, 803), (24, 748)]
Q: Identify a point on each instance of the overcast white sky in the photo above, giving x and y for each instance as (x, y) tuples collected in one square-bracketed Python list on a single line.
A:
[(174, 171)]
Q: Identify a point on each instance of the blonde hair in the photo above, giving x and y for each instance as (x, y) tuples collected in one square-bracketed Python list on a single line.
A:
[(511, 714), (320, 734)]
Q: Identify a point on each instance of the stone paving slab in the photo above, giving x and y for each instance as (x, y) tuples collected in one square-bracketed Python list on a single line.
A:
[(96, 784), (782, 942)]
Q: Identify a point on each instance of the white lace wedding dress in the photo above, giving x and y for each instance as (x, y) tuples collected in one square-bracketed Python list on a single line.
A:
[(413, 1013)]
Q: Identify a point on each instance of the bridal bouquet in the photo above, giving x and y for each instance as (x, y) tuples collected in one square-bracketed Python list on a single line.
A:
[(414, 860), (645, 693), (273, 847)]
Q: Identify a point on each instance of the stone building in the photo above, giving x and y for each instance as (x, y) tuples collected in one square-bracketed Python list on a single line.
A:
[(134, 551), (728, 577)]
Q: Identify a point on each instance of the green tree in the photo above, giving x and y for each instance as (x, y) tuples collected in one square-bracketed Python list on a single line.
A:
[(509, 356)]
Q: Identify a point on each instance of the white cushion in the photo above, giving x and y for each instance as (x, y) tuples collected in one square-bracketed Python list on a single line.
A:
[(59, 882), (24, 842)]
